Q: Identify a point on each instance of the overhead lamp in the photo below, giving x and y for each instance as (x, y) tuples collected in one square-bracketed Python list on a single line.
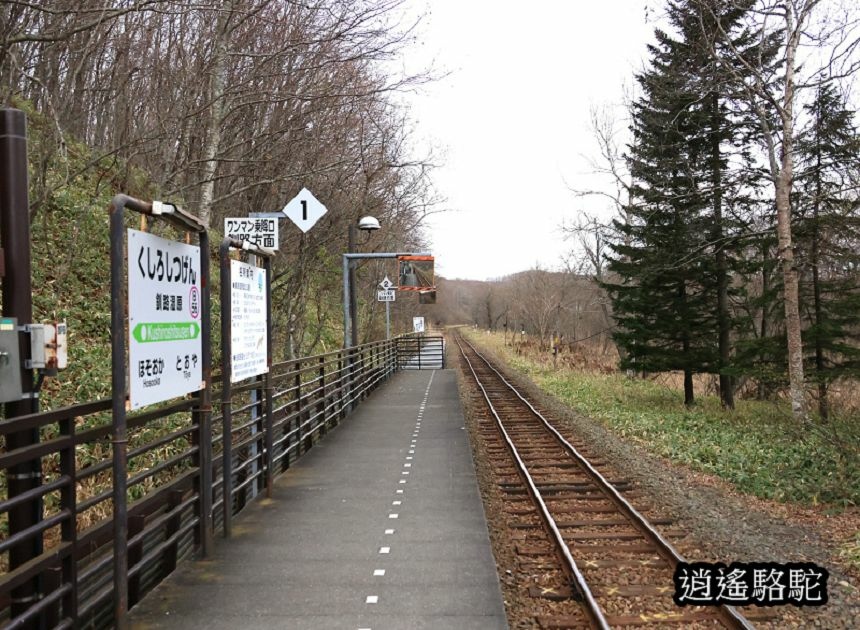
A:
[(368, 223)]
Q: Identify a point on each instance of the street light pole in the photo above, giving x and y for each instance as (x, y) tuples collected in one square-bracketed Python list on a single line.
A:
[(353, 301), (348, 261)]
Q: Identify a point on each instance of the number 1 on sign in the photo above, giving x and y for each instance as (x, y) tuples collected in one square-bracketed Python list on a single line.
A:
[(304, 210)]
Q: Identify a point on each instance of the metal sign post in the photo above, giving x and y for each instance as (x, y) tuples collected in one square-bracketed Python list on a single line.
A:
[(348, 258), (202, 412), (18, 304), (245, 328), (387, 294)]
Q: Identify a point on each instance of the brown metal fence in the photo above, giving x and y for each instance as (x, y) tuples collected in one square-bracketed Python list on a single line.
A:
[(99, 503), (74, 572)]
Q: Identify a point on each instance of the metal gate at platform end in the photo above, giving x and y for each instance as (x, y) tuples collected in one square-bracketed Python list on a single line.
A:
[(425, 352)]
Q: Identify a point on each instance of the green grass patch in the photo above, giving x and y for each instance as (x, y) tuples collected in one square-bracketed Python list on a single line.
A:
[(758, 447)]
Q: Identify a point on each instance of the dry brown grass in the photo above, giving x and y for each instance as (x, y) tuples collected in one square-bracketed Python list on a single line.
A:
[(595, 357)]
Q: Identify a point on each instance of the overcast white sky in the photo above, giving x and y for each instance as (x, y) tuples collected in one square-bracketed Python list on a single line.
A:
[(512, 119)]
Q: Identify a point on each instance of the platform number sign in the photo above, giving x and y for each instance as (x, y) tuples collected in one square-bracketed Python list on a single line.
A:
[(164, 319), (304, 210)]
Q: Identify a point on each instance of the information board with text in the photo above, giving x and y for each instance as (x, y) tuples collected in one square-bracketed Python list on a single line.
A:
[(247, 321)]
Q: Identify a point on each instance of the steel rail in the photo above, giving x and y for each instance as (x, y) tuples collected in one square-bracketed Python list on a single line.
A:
[(729, 616), (592, 608)]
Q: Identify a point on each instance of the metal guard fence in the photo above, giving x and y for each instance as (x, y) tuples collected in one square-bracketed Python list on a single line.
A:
[(271, 421)]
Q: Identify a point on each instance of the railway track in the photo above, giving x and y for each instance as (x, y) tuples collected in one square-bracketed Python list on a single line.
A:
[(575, 528)]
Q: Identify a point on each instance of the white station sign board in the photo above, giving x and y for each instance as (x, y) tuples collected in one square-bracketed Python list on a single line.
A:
[(386, 295), (262, 232), (247, 321), (418, 324), (304, 210), (165, 342)]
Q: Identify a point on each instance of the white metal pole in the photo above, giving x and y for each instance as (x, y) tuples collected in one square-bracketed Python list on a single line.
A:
[(388, 320)]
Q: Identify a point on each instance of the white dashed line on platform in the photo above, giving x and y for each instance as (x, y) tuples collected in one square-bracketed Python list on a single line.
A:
[(388, 532), (393, 515), (378, 572), (371, 599), (385, 550)]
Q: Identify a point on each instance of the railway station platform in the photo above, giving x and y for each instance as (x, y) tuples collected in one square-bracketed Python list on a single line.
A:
[(380, 526)]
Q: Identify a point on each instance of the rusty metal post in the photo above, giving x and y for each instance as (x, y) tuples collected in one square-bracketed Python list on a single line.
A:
[(297, 407), (205, 409), (269, 438), (69, 528), (226, 387), (119, 384), (119, 440), (322, 404), (18, 302)]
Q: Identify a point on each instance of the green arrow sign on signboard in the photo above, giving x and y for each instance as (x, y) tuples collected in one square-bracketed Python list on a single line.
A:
[(145, 333)]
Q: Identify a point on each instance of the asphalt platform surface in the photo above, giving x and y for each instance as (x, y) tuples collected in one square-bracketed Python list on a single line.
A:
[(380, 527)]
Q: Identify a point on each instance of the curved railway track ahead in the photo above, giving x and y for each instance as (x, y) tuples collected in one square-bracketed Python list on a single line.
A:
[(619, 566)]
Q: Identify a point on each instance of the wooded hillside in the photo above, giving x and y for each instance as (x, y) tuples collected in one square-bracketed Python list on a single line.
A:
[(224, 108)]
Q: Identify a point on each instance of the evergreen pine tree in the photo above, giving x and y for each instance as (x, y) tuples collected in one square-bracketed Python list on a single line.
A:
[(662, 293), (678, 253)]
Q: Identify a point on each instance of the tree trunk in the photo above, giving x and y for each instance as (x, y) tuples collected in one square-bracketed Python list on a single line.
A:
[(785, 251), (816, 283), (212, 142), (763, 389), (689, 400), (727, 398)]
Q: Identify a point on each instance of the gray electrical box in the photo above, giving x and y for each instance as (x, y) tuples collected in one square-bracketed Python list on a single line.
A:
[(10, 360)]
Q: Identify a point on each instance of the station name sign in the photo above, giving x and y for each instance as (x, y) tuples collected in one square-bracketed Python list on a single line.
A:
[(164, 319)]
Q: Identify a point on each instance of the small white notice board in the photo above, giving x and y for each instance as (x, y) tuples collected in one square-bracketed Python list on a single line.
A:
[(247, 321), (418, 324), (164, 310), (386, 295)]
